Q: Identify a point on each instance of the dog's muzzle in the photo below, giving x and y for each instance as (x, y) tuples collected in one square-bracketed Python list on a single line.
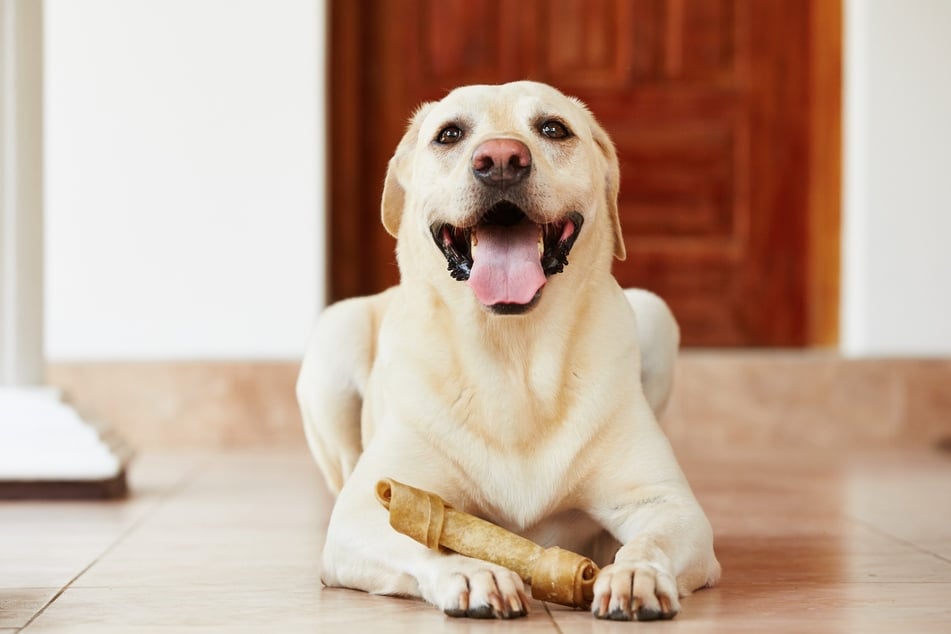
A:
[(506, 257)]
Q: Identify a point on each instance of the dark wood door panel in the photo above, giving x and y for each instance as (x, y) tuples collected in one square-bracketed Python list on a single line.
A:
[(708, 102)]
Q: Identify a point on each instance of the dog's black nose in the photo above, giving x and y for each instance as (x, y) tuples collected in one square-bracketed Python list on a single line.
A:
[(501, 162)]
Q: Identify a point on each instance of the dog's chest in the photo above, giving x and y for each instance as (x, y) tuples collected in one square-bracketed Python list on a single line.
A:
[(519, 484), (516, 428)]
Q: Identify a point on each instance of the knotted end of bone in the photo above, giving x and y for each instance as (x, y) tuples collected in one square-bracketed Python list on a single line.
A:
[(563, 577), (413, 512)]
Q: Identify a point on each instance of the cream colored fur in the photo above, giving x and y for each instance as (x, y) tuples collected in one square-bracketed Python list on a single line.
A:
[(543, 422)]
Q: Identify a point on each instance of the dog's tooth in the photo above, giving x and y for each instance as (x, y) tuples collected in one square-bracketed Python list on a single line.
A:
[(541, 240), (473, 242)]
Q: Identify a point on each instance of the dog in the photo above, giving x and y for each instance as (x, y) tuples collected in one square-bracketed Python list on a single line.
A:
[(507, 372)]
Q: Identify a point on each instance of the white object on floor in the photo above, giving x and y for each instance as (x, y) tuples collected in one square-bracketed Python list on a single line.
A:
[(43, 439)]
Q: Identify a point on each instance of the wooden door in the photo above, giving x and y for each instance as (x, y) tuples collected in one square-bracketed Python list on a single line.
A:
[(725, 114)]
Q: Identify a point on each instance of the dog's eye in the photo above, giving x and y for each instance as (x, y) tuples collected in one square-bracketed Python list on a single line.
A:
[(449, 135), (554, 129)]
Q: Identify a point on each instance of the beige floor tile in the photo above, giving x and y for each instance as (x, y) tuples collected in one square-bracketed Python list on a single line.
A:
[(124, 608), (341, 608), (938, 547), (908, 498), (46, 544), (251, 489), (264, 512), (210, 559), (18, 605), (853, 558), (808, 541), (281, 608), (854, 608)]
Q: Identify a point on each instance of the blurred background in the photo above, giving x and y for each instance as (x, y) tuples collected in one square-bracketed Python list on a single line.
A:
[(211, 174)]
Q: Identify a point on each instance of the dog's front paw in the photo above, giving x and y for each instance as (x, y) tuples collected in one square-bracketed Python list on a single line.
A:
[(635, 592), (479, 590)]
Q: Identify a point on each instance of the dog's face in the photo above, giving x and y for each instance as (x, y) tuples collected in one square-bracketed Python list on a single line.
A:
[(505, 183)]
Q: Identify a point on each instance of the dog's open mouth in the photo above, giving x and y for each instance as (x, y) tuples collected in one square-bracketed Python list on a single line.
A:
[(506, 258)]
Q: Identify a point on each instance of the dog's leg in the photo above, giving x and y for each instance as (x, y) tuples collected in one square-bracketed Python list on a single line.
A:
[(667, 549), (332, 382), (669, 559), (659, 338), (364, 552)]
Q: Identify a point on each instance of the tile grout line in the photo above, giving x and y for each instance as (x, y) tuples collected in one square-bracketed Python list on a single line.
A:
[(900, 540), (175, 489), (552, 618)]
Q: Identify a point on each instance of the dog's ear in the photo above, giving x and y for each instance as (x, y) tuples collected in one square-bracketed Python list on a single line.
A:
[(394, 191), (612, 185)]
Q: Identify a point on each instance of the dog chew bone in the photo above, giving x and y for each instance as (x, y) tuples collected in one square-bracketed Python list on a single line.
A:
[(555, 575)]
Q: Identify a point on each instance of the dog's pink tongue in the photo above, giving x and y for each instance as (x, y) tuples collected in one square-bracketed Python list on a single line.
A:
[(506, 266)]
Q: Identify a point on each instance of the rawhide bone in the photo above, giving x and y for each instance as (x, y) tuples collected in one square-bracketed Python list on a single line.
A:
[(555, 575)]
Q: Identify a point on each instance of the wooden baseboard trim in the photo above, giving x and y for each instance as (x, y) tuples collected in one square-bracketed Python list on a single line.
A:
[(187, 404), (798, 398)]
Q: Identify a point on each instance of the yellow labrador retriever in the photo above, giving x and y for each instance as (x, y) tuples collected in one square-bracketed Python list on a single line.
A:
[(508, 372)]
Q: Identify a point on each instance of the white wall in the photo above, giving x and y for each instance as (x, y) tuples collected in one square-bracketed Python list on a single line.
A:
[(184, 178), (897, 259)]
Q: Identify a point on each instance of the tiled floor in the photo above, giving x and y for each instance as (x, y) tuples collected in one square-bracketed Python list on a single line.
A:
[(229, 542)]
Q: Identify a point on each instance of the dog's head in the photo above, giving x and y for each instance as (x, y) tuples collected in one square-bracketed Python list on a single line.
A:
[(506, 183)]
